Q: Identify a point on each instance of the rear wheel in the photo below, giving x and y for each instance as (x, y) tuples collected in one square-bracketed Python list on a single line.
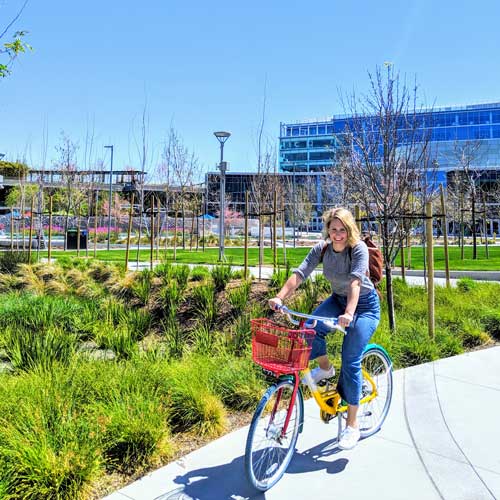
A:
[(371, 415), (268, 451)]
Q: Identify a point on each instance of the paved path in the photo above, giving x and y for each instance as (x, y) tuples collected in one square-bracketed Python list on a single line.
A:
[(441, 441)]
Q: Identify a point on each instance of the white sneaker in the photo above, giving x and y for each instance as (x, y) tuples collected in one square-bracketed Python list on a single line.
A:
[(318, 374), (349, 438)]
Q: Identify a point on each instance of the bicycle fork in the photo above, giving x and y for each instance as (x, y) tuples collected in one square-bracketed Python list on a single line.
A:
[(291, 406)]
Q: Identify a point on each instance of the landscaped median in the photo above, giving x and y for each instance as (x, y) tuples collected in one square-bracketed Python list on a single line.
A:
[(108, 374), (294, 256)]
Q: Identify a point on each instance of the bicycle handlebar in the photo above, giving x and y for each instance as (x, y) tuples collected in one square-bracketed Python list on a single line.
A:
[(330, 322)]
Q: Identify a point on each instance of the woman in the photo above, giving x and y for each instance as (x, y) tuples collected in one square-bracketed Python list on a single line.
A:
[(354, 301)]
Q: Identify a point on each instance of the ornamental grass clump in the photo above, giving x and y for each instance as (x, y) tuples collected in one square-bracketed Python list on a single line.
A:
[(199, 273), (238, 297), (117, 338), (36, 313), (204, 302), (193, 407), (48, 448), (10, 261), (134, 430), (236, 381), (239, 336), (27, 349), (221, 274)]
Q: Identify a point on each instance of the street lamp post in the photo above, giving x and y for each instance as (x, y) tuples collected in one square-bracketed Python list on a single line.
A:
[(222, 137), (110, 194)]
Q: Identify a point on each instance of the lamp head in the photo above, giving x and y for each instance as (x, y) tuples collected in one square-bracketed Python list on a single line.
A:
[(222, 136)]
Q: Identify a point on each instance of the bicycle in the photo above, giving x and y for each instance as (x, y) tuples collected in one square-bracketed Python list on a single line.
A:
[(279, 417)]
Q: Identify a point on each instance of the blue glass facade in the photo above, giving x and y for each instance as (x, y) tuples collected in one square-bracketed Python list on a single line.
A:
[(309, 147)]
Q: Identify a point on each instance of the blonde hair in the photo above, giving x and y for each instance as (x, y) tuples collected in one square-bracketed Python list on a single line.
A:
[(347, 219)]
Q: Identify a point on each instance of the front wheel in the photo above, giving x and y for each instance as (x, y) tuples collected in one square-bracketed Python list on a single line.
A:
[(268, 449), (378, 366)]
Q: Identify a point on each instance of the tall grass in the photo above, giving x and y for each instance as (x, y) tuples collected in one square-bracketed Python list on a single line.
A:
[(204, 304), (27, 349), (238, 297), (48, 449), (221, 274)]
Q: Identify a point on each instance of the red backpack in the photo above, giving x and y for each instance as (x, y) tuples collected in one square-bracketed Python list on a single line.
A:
[(375, 260)]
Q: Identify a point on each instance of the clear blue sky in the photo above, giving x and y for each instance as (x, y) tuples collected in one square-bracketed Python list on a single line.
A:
[(202, 66)]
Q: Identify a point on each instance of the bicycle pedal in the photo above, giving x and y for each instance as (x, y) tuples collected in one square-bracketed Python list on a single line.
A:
[(326, 417)]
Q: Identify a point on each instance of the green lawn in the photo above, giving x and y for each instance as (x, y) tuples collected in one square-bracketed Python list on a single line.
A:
[(468, 264), (296, 255)]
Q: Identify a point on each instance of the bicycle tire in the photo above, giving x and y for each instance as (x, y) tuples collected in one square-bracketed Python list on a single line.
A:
[(267, 454), (371, 415)]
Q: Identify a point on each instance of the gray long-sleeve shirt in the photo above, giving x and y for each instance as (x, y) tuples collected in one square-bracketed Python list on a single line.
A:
[(339, 268)]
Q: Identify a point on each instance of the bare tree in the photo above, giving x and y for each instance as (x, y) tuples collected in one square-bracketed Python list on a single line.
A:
[(183, 168), (464, 190), (385, 158), (71, 196), (266, 181)]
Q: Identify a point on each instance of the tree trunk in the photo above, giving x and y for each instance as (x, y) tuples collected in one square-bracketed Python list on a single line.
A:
[(388, 277), (390, 299), (474, 238), (184, 224)]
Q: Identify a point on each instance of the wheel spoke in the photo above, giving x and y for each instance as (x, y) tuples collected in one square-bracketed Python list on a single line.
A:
[(372, 414), (268, 453)]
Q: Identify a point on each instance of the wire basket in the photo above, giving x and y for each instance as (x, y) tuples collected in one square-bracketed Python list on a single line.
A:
[(279, 349)]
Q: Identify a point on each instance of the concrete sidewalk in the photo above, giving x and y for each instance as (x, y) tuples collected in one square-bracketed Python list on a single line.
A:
[(441, 440)]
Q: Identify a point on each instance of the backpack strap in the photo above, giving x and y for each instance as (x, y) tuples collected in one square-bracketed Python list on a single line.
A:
[(323, 251)]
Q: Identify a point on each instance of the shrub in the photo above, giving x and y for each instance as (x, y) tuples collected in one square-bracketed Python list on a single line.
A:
[(466, 284)]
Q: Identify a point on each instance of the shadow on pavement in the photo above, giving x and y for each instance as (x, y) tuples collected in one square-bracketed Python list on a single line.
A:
[(228, 481)]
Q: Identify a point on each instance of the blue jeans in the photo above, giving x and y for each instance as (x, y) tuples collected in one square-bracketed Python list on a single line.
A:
[(365, 322)]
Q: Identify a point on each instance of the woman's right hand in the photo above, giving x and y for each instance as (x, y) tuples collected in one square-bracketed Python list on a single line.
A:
[(275, 303)]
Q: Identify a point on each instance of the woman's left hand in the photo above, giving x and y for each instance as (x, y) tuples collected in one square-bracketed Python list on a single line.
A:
[(345, 320)]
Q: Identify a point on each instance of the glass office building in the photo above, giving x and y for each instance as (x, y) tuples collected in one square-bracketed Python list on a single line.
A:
[(312, 146)]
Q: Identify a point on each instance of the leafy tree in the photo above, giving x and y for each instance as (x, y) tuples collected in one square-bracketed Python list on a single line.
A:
[(13, 169), (10, 50)]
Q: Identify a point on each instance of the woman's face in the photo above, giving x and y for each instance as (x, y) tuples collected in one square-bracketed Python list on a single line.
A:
[(338, 235)]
